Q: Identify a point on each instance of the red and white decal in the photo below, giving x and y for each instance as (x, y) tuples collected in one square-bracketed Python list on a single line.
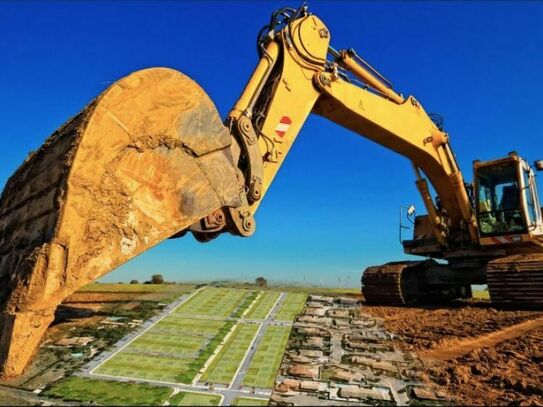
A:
[(283, 126)]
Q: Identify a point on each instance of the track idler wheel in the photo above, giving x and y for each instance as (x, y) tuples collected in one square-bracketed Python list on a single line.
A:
[(391, 284)]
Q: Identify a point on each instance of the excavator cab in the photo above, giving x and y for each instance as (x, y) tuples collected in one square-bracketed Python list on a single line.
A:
[(507, 204)]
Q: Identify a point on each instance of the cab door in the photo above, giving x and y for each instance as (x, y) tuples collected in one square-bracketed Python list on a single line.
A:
[(530, 200)]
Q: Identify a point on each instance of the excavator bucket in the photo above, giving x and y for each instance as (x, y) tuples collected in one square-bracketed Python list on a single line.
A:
[(143, 161)]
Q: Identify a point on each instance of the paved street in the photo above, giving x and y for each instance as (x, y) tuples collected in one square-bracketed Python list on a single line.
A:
[(238, 379)]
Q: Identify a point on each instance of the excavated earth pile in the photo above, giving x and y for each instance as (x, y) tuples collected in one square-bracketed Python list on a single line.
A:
[(143, 161), (478, 354)]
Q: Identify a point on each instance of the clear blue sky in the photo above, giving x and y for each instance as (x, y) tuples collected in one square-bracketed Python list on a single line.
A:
[(333, 208)]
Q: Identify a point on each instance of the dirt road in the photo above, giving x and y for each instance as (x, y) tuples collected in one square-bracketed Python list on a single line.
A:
[(478, 354)]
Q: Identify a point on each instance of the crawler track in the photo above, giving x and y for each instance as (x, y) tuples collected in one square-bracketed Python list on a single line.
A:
[(516, 280), (383, 285)]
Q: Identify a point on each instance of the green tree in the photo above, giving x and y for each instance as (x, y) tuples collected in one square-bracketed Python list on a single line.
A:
[(261, 282), (157, 279), (134, 282)]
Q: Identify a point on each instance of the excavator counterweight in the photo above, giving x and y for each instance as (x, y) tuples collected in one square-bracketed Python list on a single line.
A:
[(143, 161)]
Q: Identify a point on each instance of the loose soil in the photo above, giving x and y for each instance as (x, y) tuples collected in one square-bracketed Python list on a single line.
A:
[(478, 354)]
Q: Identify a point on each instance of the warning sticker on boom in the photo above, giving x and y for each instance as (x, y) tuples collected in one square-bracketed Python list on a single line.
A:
[(283, 126)]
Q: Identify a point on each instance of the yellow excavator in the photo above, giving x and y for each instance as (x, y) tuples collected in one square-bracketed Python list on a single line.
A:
[(150, 159)]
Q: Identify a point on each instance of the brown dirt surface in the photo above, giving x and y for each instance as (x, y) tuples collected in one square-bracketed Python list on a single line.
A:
[(84, 297), (476, 353)]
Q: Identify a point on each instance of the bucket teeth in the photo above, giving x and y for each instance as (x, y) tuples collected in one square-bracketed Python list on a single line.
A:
[(143, 161)]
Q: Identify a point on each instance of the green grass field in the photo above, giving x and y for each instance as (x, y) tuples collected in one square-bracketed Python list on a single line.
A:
[(167, 351), (217, 302), (267, 359), (104, 392), (263, 305), (195, 399), (223, 368), (249, 401), (144, 292), (292, 305)]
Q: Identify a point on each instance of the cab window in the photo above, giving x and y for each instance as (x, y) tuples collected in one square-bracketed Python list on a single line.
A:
[(499, 203)]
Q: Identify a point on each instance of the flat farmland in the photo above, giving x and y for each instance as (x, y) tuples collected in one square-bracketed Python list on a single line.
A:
[(263, 305), (108, 393), (166, 351), (120, 288), (185, 398), (224, 366), (292, 306), (267, 359), (216, 302), (249, 401), (100, 292)]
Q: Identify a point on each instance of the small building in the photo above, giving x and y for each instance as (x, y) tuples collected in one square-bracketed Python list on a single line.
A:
[(312, 386), (320, 298), (304, 330), (315, 311), (362, 393), (282, 388), (356, 344), (311, 353), (305, 371), (314, 342), (349, 301), (292, 383), (341, 322), (338, 313), (339, 375)]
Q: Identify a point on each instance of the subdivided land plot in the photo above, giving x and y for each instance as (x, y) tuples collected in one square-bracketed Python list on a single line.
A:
[(263, 305), (213, 302), (267, 358), (224, 366), (170, 351), (292, 305)]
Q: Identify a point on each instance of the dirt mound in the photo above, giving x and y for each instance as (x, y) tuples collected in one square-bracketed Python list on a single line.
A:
[(452, 349), (481, 355), (508, 373), (423, 328)]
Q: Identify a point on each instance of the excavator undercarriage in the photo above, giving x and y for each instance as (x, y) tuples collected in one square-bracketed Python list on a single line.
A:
[(513, 281), (413, 283)]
